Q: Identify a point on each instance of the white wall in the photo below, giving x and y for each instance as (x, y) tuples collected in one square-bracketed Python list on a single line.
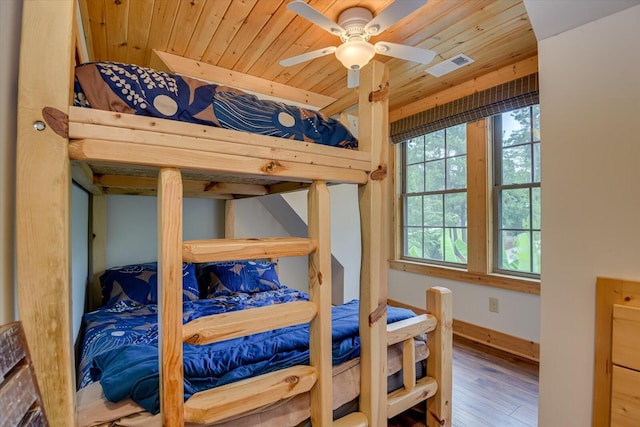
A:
[(10, 15), (590, 108), (345, 231), (79, 253), (519, 313), (132, 226), (252, 219)]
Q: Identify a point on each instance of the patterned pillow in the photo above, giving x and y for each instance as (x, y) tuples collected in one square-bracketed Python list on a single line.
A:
[(139, 283), (226, 278)]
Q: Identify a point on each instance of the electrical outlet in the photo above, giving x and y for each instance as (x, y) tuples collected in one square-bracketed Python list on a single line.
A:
[(493, 305)]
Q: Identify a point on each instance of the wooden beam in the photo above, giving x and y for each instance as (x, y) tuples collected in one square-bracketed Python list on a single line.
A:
[(486, 81), (241, 396), (408, 328), (354, 419), (98, 247), (223, 76), (230, 219), (170, 290), (170, 133), (408, 364), (235, 324), (234, 249), (127, 153), (320, 294), (439, 363), (43, 180), (373, 134), (195, 187), (403, 399), (86, 116), (477, 222)]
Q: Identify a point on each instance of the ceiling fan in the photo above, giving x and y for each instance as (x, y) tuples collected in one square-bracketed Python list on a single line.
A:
[(356, 25)]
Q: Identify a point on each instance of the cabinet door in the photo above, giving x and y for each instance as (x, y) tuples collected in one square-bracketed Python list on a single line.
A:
[(626, 337), (625, 397)]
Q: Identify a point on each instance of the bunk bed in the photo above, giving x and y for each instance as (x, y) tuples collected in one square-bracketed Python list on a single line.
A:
[(194, 159)]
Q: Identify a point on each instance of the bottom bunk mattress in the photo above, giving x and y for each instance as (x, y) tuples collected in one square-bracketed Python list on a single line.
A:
[(120, 347)]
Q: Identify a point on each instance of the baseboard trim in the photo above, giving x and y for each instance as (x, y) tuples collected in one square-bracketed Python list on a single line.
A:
[(529, 350)]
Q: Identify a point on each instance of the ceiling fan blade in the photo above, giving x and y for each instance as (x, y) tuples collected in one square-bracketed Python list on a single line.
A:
[(392, 14), (314, 16), (353, 78), (294, 60), (415, 54)]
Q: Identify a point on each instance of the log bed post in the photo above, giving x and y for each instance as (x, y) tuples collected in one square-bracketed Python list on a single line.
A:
[(170, 291), (320, 294), (439, 362), (373, 131), (43, 180)]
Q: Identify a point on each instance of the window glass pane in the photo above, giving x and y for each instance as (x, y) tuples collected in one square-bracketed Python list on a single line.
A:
[(433, 243), (414, 210), (433, 210), (455, 242), (434, 175), (535, 208), (415, 150), (536, 162), (413, 242), (535, 112), (516, 165), (457, 140), (537, 250), (457, 172), (434, 145), (455, 210), (515, 209), (516, 252), (516, 127), (415, 178)]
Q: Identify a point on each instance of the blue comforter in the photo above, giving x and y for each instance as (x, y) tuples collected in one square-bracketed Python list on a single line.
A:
[(131, 369)]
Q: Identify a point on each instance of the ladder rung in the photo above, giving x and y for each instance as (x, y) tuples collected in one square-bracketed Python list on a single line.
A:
[(355, 419), (231, 399), (237, 249), (403, 399), (409, 328), (224, 326)]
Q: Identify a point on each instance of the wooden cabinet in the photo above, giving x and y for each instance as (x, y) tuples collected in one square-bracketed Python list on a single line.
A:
[(625, 356), (616, 391)]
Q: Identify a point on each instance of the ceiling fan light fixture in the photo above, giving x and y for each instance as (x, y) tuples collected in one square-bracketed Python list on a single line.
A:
[(355, 54)]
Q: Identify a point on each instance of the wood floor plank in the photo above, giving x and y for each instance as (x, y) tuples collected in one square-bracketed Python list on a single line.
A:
[(490, 389)]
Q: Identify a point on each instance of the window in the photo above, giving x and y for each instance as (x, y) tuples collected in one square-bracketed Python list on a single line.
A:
[(451, 225), (516, 191), (435, 197)]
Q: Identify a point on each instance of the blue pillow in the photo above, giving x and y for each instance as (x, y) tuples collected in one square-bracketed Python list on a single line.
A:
[(139, 283), (226, 278)]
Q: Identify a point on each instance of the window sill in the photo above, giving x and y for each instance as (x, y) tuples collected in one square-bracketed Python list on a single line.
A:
[(520, 284)]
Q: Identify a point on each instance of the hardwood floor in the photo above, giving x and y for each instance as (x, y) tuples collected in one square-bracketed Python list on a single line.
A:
[(490, 389)]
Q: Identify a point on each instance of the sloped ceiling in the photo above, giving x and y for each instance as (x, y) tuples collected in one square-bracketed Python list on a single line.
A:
[(550, 18)]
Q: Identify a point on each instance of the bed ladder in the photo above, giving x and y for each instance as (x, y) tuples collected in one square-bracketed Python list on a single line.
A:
[(228, 400)]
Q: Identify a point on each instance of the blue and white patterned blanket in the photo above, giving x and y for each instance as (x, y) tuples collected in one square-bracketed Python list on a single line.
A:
[(121, 347), (143, 91)]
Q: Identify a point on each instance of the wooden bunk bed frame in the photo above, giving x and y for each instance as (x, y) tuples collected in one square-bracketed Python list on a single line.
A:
[(177, 150)]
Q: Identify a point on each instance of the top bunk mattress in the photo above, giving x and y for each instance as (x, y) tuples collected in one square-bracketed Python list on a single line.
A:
[(132, 89)]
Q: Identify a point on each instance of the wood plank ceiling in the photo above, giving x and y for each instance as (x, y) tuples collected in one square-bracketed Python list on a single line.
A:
[(252, 36)]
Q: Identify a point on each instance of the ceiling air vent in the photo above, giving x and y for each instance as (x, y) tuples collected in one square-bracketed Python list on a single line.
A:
[(449, 65)]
